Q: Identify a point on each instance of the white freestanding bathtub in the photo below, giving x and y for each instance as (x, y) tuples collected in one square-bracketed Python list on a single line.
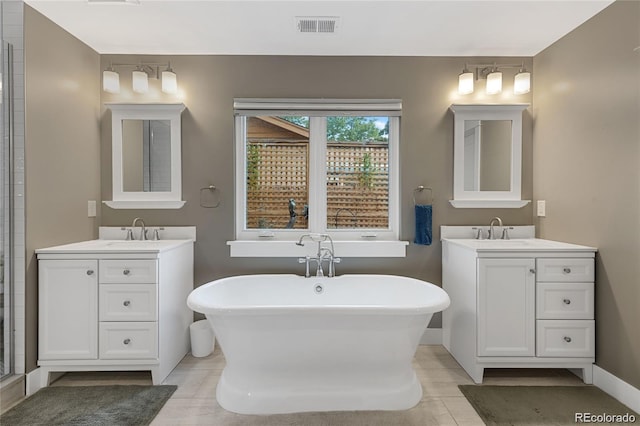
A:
[(295, 344)]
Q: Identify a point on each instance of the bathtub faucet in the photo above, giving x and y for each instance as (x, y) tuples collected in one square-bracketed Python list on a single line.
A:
[(323, 254)]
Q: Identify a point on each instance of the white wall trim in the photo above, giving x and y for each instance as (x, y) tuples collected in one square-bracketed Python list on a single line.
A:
[(34, 383), (432, 336), (246, 248), (617, 388)]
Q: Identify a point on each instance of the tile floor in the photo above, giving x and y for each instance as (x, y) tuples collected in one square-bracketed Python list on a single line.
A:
[(442, 403)]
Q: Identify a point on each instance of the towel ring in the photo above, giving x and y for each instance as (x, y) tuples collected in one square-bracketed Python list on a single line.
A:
[(420, 189), (213, 190)]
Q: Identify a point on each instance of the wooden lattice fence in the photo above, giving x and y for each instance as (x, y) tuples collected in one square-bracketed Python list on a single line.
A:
[(357, 184)]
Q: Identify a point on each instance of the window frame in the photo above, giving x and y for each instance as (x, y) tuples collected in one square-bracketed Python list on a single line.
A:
[(317, 110)]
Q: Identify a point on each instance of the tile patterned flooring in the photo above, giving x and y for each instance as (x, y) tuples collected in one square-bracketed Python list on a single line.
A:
[(442, 403)]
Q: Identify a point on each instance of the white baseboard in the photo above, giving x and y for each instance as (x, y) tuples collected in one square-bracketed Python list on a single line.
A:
[(33, 381), (617, 388), (432, 336)]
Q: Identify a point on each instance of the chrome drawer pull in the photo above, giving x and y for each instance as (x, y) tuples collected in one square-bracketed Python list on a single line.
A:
[(567, 301), (567, 270), (127, 341), (567, 339), (126, 272), (533, 271), (126, 303), (90, 272)]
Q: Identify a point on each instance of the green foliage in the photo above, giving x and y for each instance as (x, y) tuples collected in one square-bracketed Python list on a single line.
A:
[(367, 171), (354, 129), (253, 164), (348, 129), (297, 120)]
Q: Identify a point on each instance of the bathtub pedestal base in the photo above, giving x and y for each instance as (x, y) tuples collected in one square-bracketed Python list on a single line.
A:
[(301, 397)]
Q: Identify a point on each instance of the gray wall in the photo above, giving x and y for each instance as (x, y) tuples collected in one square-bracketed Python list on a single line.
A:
[(587, 167), (427, 86), (586, 152), (62, 147)]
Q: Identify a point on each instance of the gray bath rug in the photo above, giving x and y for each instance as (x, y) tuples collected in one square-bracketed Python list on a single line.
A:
[(544, 405), (90, 405)]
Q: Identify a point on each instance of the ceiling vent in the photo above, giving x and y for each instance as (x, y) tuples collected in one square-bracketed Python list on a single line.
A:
[(317, 24)]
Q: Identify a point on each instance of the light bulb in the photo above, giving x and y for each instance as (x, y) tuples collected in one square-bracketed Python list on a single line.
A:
[(140, 81), (110, 81), (465, 82), (169, 82), (522, 82), (494, 83)]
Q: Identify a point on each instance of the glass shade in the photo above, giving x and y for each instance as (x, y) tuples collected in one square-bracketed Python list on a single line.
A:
[(169, 82), (494, 83), (522, 83), (140, 82), (465, 83), (110, 81)]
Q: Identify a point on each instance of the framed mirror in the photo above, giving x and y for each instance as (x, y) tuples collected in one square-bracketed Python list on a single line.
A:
[(146, 156), (487, 156)]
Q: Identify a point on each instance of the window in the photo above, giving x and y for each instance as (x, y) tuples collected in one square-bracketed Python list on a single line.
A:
[(317, 166)]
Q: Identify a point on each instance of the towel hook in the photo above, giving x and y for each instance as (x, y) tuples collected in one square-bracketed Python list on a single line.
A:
[(213, 190), (420, 189)]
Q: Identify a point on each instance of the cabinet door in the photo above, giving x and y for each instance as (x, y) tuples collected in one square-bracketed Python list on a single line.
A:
[(506, 301), (68, 309)]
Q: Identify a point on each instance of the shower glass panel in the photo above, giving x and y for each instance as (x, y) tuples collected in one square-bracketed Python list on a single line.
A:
[(5, 204)]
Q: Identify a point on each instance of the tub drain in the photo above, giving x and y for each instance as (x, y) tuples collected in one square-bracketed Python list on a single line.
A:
[(319, 289)]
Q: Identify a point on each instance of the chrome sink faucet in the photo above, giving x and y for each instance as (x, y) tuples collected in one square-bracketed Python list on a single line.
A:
[(143, 229), (492, 235), (323, 254)]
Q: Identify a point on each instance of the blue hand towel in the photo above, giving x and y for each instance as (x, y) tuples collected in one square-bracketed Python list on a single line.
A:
[(424, 215)]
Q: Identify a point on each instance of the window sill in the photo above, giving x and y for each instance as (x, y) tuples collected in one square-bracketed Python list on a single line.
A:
[(489, 204), (342, 249), (145, 204)]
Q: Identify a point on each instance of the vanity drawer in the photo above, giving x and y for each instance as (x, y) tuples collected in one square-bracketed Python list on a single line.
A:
[(564, 270), (122, 302), (564, 300), (128, 271), (565, 338), (128, 340)]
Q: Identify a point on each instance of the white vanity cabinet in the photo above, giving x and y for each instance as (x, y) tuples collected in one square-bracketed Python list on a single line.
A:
[(519, 304), (68, 309), (506, 316), (111, 307)]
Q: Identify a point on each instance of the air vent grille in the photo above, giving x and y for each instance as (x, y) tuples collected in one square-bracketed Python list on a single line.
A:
[(317, 24)]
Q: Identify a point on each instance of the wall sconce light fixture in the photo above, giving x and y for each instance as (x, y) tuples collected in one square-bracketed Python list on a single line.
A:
[(140, 80), (140, 77), (169, 81), (494, 82), (493, 74), (522, 82), (465, 81), (110, 80)]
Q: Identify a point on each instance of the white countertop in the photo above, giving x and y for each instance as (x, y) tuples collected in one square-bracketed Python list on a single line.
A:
[(518, 245), (115, 246)]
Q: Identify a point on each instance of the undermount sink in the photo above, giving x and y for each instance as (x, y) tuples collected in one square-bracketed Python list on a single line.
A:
[(506, 242), (135, 244)]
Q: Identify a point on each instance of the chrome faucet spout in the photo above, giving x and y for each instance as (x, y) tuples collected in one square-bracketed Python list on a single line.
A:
[(143, 229), (492, 235), (322, 254)]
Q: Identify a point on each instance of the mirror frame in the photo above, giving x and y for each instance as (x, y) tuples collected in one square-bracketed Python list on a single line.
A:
[(488, 199), (140, 199)]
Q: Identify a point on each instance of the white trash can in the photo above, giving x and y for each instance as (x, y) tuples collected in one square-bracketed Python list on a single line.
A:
[(202, 339)]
